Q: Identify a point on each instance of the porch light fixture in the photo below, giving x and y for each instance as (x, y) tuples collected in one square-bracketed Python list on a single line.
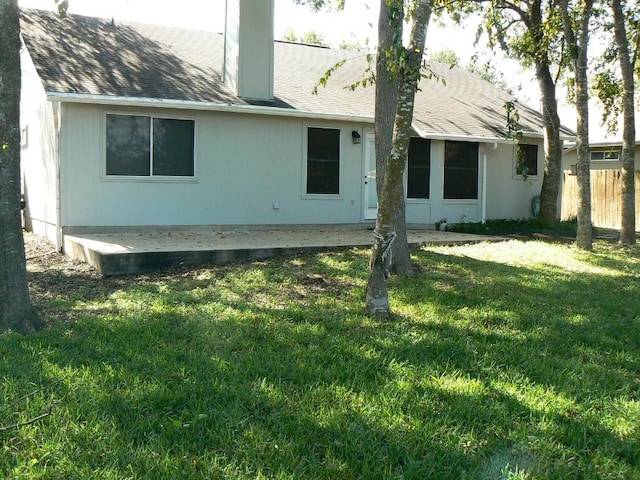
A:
[(356, 138), (574, 170)]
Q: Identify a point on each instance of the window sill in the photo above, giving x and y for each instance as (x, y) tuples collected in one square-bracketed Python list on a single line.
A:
[(321, 196), (157, 179)]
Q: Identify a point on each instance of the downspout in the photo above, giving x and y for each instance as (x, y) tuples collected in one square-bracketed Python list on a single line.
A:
[(483, 213), (56, 128)]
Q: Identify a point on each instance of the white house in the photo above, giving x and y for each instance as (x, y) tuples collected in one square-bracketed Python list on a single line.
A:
[(128, 125)]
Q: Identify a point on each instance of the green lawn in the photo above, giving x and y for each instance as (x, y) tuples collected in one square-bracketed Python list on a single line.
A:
[(515, 360)]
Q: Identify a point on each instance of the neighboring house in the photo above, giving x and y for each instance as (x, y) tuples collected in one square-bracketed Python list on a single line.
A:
[(605, 163), (604, 156), (129, 125)]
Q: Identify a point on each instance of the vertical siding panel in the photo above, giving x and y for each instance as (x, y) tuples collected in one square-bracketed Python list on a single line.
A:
[(606, 198)]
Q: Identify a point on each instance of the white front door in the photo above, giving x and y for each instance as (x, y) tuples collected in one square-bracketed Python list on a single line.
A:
[(370, 193)]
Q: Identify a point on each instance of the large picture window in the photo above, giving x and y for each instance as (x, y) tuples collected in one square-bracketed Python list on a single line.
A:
[(460, 170), (418, 168), (323, 161), (143, 146), (526, 160)]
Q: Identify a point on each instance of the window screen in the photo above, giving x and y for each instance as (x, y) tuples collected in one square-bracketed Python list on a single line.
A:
[(527, 159), (143, 146), (323, 161), (128, 145), (418, 168), (172, 147), (460, 170)]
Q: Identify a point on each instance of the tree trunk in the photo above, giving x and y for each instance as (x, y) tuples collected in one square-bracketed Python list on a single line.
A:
[(16, 312), (628, 220), (577, 42), (552, 144), (390, 42), (377, 299)]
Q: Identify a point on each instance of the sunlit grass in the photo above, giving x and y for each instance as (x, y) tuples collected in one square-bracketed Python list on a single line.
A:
[(504, 360)]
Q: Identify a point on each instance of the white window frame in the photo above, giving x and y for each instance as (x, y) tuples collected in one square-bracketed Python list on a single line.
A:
[(148, 178), (305, 145), (518, 176), (604, 153), (406, 179)]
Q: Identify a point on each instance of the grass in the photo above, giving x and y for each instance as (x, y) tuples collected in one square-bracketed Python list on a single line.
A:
[(514, 360)]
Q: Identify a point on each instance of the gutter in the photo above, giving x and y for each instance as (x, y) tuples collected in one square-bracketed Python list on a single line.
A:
[(86, 98), (480, 139), (483, 208)]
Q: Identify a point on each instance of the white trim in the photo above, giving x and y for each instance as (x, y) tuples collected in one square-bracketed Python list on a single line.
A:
[(205, 106), (24, 136), (604, 155), (483, 187), (479, 139), (151, 178), (305, 143), (478, 199), (405, 178), (88, 98), (530, 176)]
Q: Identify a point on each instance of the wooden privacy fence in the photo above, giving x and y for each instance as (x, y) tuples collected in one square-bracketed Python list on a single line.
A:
[(606, 197)]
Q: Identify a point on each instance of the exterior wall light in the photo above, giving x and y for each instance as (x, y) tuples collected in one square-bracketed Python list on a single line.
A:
[(355, 137)]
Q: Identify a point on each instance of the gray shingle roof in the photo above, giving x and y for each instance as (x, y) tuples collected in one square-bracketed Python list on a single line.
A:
[(86, 55)]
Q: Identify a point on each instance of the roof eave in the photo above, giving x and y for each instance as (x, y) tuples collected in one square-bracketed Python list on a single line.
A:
[(476, 138), (111, 100)]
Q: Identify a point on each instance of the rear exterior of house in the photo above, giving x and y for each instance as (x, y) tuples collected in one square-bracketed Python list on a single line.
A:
[(256, 170), (96, 160)]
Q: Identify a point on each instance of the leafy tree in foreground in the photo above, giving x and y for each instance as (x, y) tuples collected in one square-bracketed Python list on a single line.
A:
[(530, 31), (389, 53), (408, 75), (576, 16), (390, 60), (627, 60), (616, 91), (16, 311)]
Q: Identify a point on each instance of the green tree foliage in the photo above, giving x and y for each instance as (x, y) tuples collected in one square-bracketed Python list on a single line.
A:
[(531, 32), (407, 65), (313, 38), (448, 56), (615, 87)]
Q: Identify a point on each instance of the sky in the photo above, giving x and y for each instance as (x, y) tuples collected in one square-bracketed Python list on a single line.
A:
[(357, 22)]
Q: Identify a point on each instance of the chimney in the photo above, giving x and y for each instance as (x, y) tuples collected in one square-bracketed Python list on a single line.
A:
[(248, 48)]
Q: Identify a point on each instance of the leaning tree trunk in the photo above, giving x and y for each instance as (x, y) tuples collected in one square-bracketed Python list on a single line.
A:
[(552, 144), (377, 298), (577, 45), (628, 220), (16, 312), (389, 43)]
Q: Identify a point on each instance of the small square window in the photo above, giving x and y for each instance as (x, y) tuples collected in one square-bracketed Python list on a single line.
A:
[(526, 160)]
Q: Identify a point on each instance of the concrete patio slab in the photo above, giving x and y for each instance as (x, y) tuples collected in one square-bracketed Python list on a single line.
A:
[(125, 252)]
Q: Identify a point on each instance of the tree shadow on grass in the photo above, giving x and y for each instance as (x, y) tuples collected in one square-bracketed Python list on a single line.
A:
[(200, 373)]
